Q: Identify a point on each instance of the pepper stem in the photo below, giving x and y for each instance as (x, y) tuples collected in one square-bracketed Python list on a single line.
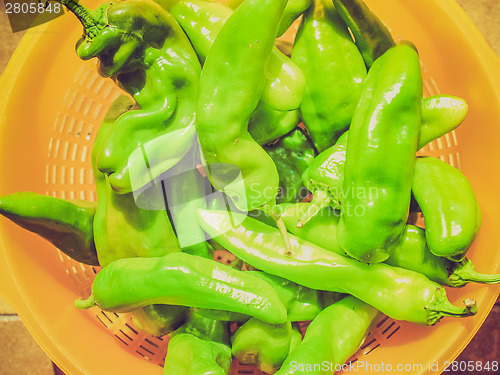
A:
[(440, 307), (84, 304), (274, 211), (320, 200), (465, 273), (85, 15)]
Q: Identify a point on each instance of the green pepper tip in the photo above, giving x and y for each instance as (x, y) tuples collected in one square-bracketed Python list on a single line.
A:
[(84, 304)]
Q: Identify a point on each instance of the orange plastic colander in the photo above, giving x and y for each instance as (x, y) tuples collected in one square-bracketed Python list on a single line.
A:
[(52, 104)]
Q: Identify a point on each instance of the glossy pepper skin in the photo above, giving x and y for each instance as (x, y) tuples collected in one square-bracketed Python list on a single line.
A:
[(334, 71), (396, 292), (261, 344), (371, 35), (230, 87), (451, 213), (292, 155), (380, 157), (411, 253), (332, 337), (67, 224), (143, 49), (202, 20), (200, 346), (325, 176), (185, 280), (266, 124), (121, 228)]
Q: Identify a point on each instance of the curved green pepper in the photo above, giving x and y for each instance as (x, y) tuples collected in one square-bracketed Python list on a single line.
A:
[(325, 176), (380, 156), (202, 20), (411, 253), (292, 155), (185, 280), (261, 344), (451, 213), (371, 35), (401, 294), (200, 346), (67, 224), (143, 49), (121, 228), (331, 338), (230, 88), (334, 71)]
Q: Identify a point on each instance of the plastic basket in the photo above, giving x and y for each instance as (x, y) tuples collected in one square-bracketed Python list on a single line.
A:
[(51, 108)]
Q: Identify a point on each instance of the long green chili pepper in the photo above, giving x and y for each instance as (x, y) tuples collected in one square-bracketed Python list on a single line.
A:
[(331, 338), (292, 155), (334, 71), (371, 35), (325, 176), (143, 49), (200, 346), (122, 229), (396, 292), (411, 253), (261, 344), (380, 156), (185, 280), (230, 88), (451, 213), (67, 224), (202, 20)]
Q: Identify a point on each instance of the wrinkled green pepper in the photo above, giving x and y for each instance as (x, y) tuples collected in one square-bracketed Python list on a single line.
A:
[(267, 124), (202, 20), (143, 49), (371, 35), (325, 176), (451, 212), (401, 294), (411, 253), (380, 157), (185, 280), (334, 71), (292, 155), (230, 87), (200, 346), (331, 338), (67, 224)]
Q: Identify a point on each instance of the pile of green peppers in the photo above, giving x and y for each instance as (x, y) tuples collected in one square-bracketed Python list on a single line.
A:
[(301, 163)]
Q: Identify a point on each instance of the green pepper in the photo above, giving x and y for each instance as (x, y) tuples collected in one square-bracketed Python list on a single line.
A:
[(380, 157), (411, 253), (200, 346), (325, 176), (230, 87), (67, 224), (143, 49), (185, 280), (202, 20), (121, 228), (451, 213), (261, 344), (400, 294), (267, 124), (371, 35), (331, 338), (159, 320), (334, 71), (292, 155)]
